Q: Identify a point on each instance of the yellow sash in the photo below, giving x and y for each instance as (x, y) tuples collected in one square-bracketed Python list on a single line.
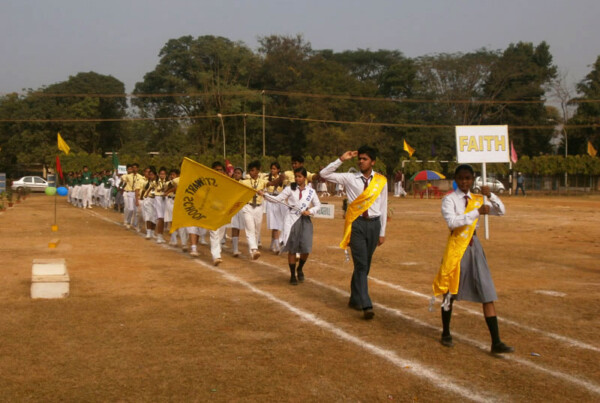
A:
[(362, 204), (448, 276)]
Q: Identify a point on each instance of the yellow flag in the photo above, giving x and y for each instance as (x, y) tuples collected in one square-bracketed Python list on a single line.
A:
[(408, 149), (206, 198), (62, 145), (591, 150)]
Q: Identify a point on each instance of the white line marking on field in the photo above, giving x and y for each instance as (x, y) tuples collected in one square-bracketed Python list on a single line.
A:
[(577, 381), (564, 339), (482, 346), (551, 293), (419, 370)]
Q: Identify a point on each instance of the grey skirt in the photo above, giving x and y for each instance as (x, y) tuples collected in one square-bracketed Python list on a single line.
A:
[(476, 284), (300, 238)]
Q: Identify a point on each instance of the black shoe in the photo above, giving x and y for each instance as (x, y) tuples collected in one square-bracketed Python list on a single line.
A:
[(293, 280), (368, 312), (501, 348), (447, 341), (300, 276), (354, 306)]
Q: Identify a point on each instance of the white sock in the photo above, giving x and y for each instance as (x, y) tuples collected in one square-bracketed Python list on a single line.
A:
[(235, 241), (149, 232), (174, 237), (194, 248)]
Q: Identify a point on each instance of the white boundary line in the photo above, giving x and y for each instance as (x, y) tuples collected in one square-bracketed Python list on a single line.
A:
[(419, 370), (564, 339), (592, 387), (577, 381)]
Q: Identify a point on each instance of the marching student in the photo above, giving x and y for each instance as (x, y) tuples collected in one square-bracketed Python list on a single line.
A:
[(253, 211), (217, 235), (237, 221), (297, 162), (86, 188), (130, 184), (365, 219), (298, 230), (464, 274), (147, 198), (169, 195), (274, 211), (159, 203)]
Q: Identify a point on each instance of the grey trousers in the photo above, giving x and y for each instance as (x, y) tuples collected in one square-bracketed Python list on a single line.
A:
[(363, 241)]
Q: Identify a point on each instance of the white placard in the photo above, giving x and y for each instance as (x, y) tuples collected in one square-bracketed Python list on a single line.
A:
[(325, 211), (475, 144), (122, 170)]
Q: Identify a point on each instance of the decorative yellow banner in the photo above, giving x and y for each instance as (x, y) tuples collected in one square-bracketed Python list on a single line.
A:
[(206, 198), (362, 204)]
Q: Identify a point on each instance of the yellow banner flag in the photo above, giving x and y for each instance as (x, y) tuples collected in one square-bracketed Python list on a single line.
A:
[(62, 146), (408, 149), (591, 150), (206, 198)]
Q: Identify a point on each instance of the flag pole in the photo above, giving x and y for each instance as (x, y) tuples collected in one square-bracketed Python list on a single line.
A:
[(485, 217)]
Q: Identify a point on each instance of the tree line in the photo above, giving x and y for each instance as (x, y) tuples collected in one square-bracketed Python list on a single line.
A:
[(316, 103)]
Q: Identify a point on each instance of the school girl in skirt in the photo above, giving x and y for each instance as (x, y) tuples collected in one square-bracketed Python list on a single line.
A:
[(298, 229), (148, 209), (159, 203), (275, 213), (475, 282)]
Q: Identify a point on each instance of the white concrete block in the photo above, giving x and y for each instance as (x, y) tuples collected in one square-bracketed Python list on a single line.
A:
[(48, 267), (49, 279)]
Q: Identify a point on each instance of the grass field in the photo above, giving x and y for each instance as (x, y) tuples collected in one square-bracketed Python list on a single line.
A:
[(145, 322)]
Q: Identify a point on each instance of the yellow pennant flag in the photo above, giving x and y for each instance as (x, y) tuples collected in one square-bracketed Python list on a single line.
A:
[(408, 149), (591, 150), (206, 198), (62, 145)]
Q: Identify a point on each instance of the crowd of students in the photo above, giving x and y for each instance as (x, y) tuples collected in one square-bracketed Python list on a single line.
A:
[(288, 199)]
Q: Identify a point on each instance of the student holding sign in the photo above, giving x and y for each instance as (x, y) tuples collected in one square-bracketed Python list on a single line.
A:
[(365, 219), (464, 274), (298, 229)]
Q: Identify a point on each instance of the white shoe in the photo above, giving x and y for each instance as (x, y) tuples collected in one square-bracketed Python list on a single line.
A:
[(148, 236), (236, 253), (217, 261), (174, 244), (160, 239), (127, 226), (194, 253), (255, 254), (89, 207)]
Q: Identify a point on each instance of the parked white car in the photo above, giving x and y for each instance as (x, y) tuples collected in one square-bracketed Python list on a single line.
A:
[(495, 185), (35, 183)]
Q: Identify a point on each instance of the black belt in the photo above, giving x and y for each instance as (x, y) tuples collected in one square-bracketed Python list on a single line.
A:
[(254, 205), (368, 219)]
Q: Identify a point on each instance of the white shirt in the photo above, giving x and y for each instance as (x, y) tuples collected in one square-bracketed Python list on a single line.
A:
[(291, 197), (354, 186), (453, 209)]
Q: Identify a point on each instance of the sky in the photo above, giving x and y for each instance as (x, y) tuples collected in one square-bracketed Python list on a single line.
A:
[(43, 42)]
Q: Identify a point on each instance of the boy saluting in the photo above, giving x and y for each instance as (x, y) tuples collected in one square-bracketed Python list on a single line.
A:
[(366, 217)]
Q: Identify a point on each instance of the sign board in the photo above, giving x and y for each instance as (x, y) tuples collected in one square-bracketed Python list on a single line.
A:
[(122, 170), (475, 144), (325, 211)]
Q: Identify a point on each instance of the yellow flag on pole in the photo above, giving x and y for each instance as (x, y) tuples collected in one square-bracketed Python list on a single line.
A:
[(591, 150), (62, 145), (206, 198), (408, 149)]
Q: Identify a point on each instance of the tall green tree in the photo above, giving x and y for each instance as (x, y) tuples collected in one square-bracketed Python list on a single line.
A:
[(522, 73), (215, 67), (588, 112)]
